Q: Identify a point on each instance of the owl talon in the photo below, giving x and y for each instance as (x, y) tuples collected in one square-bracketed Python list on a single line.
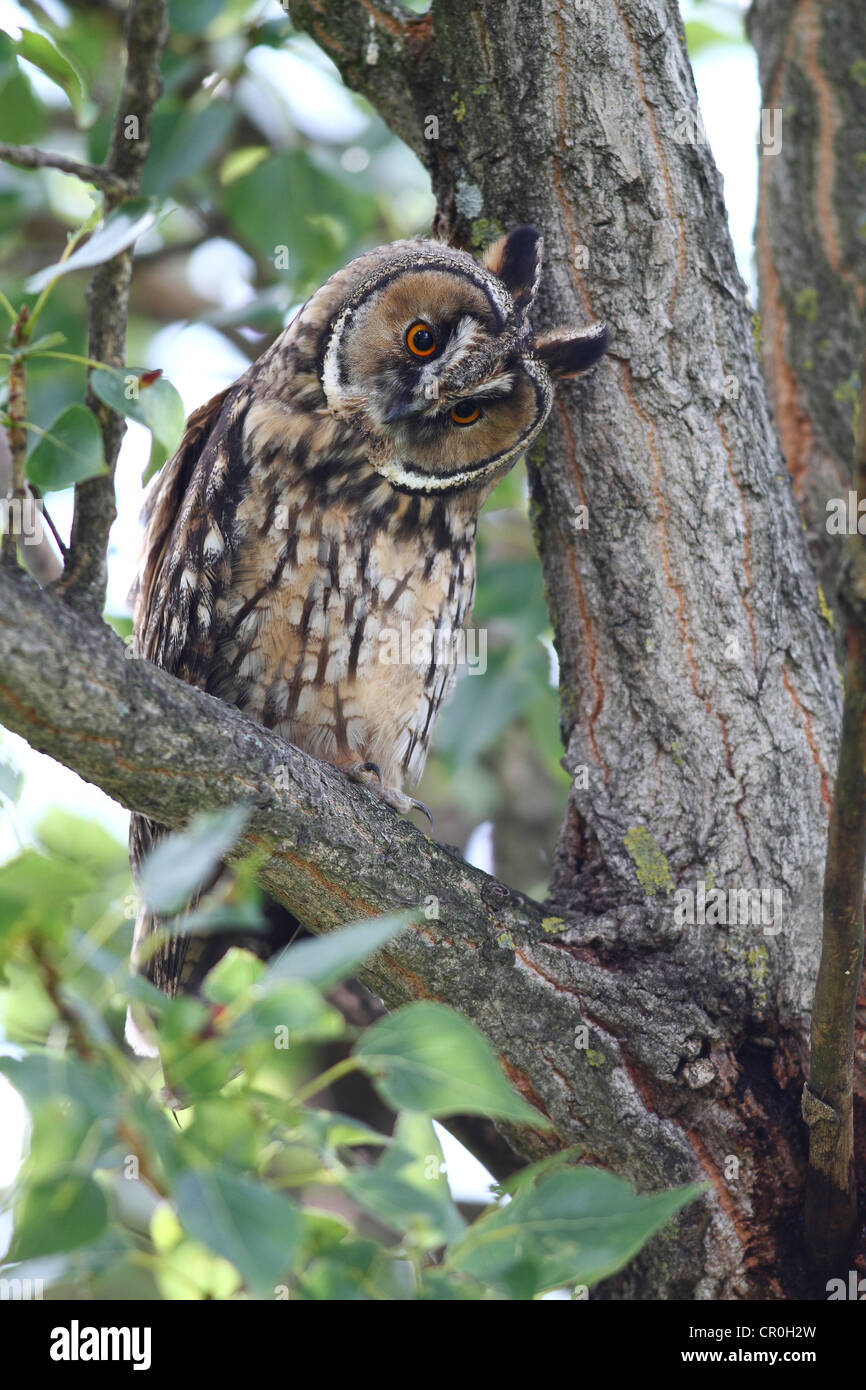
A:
[(363, 773), (400, 802), (419, 806)]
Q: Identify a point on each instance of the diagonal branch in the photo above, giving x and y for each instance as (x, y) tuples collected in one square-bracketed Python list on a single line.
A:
[(331, 853)]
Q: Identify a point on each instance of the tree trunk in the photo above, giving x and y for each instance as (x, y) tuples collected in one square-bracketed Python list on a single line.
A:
[(811, 245), (700, 702)]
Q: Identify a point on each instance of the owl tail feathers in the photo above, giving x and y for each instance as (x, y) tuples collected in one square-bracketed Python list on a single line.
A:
[(139, 1031)]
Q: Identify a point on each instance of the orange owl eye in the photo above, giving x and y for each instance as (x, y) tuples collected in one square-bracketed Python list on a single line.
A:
[(421, 340), (465, 413)]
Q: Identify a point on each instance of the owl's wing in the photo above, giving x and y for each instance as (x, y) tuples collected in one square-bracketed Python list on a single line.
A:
[(187, 556), (186, 572)]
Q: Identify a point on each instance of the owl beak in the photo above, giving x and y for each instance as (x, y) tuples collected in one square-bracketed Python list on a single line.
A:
[(400, 412)]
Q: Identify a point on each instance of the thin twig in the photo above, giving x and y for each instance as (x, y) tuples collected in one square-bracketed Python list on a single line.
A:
[(17, 435), (84, 578), (29, 157), (831, 1185)]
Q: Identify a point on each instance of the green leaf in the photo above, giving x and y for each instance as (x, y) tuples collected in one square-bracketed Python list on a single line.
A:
[(70, 451), (44, 54), (39, 1078), (59, 1214), (36, 892), (154, 403), (11, 781), (23, 117), (84, 843), (256, 1230), (193, 16), (8, 63), (351, 1271), (121, 229), (190, 1272), (185, 862), (289, 1014), (184, 140), (701, 36), (336, 955), (427, 1057), (576, 1226), (408, 1189)]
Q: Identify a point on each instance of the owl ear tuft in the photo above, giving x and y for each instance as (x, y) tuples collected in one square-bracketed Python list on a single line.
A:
[(516, 260), (572, 351)]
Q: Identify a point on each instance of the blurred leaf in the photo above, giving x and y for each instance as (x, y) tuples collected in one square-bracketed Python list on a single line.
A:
[(8, 64), (575, 1227), (288, 1013), (11, 780), (407, 1189), (193, 16), (256, 1230), (190, 1271), (58, 1214), (353, 1270), (185, 862), (45, 54), (184, 140), (35, 892), (241, 161), (83, 842), (701, 36), (273, 205), (40, 1078), (121, 229), (23, 118), (68, 452), (155, 403), (427, 1057), (335, 955)]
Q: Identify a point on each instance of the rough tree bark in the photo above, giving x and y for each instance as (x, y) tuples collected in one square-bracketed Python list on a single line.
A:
[(699, 690), (810, 243)]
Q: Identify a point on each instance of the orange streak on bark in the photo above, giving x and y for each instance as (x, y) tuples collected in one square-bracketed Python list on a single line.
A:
[(663, 168), (807, 23), (747, 548), (826, 795), (592, 660), (564, 203), (414, 983), (682, 624), (589, 630), (521, 1082)]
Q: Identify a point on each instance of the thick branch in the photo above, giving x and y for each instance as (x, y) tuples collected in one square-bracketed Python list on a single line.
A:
[(378, 49), (84, 578), (810, 252)]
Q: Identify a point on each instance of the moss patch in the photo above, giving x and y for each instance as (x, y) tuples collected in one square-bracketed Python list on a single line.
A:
[(651, 867)]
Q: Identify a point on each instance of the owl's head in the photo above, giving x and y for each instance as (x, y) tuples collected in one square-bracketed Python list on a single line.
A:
[(432, 357)]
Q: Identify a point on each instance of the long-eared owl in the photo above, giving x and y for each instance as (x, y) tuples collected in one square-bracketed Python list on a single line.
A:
[(331, 495)]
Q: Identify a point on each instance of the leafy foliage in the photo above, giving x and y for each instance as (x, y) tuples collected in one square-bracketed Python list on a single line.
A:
[(237, 1194)]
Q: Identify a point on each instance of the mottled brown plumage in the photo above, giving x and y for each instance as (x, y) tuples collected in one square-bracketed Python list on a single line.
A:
[(331, 496)]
